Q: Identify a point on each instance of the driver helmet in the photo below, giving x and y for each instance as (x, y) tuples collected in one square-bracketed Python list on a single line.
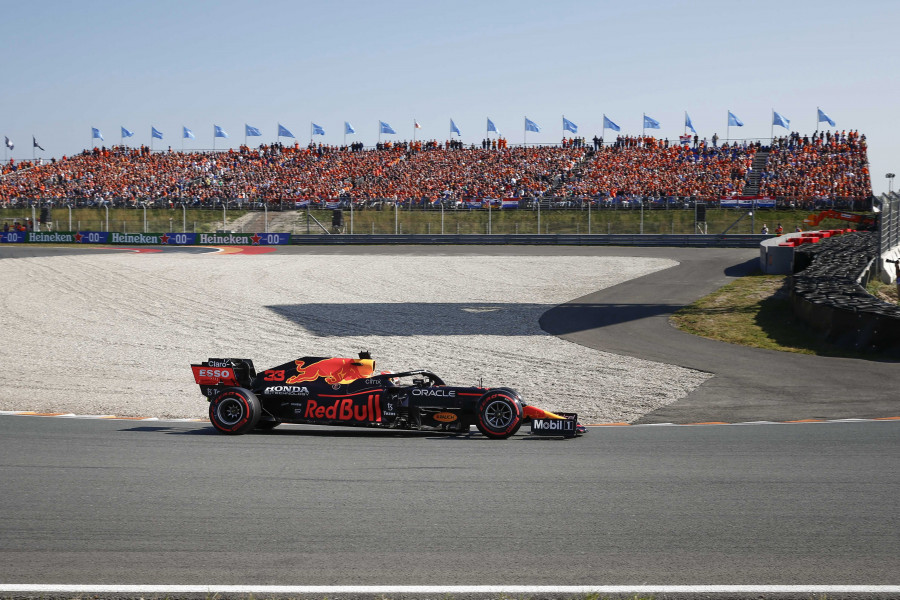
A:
[(393, 380)]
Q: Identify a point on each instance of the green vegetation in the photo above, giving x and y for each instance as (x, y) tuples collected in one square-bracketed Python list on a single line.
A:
[(884, 291), (569, 221), (755, 311), (129, 220)]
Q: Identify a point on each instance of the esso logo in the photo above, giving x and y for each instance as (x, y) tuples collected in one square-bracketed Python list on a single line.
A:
[(220, 373)]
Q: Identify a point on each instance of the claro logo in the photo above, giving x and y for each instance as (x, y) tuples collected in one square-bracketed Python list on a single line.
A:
[(445, 417)]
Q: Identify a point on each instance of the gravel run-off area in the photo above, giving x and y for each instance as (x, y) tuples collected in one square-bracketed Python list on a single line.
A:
[(115, 333)]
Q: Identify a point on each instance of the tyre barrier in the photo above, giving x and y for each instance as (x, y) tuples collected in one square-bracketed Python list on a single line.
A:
[(828, 293)]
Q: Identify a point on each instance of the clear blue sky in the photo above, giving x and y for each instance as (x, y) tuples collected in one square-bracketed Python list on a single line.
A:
[(70, 66)]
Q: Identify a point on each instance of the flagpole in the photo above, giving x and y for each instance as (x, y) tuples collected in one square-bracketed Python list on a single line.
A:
[(728, 128), (151, 139), (772, 128), (214, 139), (414, 131), (525, 133), (643, 124)]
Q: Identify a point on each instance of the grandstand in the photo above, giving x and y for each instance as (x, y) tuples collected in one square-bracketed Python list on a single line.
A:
[(829, 168)]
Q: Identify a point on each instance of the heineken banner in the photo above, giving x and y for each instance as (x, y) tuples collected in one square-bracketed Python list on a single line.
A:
[(143, 239)]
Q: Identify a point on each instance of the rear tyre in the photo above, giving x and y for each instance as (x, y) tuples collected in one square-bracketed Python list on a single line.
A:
[(235, 411), (498, 414)]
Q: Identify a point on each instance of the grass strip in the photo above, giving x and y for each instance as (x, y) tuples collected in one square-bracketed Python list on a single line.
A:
[(756, 311)]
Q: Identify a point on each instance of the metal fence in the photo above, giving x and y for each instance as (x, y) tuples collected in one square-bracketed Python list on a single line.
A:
[(549, 202), (890, 223)]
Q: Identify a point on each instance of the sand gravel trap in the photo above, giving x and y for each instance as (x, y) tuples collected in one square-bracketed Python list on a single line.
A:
[(116, 333)]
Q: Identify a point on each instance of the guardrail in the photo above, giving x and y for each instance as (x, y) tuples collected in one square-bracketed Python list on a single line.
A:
[(890, 223), (697, 240)]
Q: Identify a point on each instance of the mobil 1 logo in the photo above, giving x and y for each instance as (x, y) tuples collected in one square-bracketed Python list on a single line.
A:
[(553, 427)]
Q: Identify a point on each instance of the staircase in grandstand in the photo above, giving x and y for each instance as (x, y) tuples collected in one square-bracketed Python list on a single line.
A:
[(558, 182), (751, 188)]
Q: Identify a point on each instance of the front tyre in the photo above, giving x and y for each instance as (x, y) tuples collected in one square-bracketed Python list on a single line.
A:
[(235, 411), (498, 414)]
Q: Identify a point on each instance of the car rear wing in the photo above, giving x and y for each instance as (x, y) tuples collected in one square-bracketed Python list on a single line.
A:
[(224, 371)]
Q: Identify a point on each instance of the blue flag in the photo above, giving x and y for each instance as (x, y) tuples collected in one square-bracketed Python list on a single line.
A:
[(531, 125), (569, 126), (688, 124), (154, 132), (650, 123), (607, 124), (348, 128), (317, 130), (284, 131), (492, 127), (733, 121), (95, 134), (126, 133), (454, 128), (824, 117), (219, 132), (385, 128), (248, 131), (187, 133), (779, 120)]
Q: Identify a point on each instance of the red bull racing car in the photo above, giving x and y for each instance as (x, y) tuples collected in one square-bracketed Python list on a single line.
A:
[(348, 392)]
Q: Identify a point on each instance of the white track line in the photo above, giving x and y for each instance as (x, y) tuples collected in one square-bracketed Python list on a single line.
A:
[(450, 589)]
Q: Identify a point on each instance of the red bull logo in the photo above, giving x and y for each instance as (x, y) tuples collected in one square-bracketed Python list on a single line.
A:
[(333, 370), (345, 409)]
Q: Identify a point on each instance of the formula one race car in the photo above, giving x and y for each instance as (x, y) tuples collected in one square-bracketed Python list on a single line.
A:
[(347, 391)]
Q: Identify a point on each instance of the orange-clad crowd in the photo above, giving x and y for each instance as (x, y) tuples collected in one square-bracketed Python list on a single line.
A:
[(651, 167), (827, 165), (804, 170)]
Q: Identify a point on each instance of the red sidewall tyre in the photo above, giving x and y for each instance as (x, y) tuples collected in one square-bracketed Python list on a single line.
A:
[(498, 414), (234, 411)]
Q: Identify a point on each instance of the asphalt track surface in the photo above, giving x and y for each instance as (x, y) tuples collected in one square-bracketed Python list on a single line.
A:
[(88, 501), (104, 502)]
